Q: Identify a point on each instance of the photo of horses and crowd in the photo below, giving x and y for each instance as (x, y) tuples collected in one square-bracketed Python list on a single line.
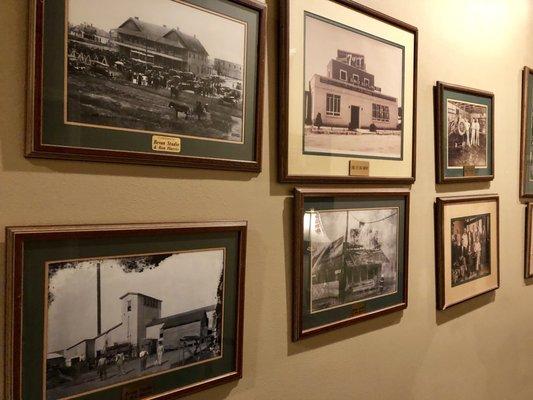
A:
[(115, 320), (159, 66)]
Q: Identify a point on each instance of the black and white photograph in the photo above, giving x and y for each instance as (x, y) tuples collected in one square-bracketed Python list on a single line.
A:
[(467, 134), (470, 248), (353, 96), (157, 66), (115, 320), (354, 255)]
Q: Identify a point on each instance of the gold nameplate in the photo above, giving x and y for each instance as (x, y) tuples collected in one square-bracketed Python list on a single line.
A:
[(469, 170), (166, 143), (136, 392), (359, 309), (359, 168)]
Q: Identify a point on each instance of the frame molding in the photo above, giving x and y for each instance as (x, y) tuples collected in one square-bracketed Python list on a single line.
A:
[(439, 118), (526, 72), (35, 149), (283, 99), (17, 236)]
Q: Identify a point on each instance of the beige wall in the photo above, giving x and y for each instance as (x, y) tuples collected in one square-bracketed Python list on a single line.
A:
[(479, 350)]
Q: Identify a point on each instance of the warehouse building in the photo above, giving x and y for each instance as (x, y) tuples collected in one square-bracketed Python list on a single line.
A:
[(162, 46), (141, 326), (228, 68), (349, 98)]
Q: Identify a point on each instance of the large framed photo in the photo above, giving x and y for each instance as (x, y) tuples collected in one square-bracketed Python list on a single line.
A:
[(351, 257), (348, 94), (467, 247), (141, 311), (464, 134), (166, 82), (526, 153)]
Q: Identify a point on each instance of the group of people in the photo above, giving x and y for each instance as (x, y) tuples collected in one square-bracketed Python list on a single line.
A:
[(119, 359), (468, 129), (469, 253)]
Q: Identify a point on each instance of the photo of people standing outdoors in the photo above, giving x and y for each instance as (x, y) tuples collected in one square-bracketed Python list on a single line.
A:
[(470, 248), (467, 134)]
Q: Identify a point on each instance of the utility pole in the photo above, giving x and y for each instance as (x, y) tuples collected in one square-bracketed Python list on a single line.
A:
[(98, 301)]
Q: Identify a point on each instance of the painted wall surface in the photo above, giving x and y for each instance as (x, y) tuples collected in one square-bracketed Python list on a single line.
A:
[(479, 350)]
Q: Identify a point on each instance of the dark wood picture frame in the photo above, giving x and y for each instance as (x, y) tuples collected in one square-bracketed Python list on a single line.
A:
[(34, 146), (283, 136), (441, 241), (300, 195), (16, 239), (440, 115), (528, 273), (527, 73)]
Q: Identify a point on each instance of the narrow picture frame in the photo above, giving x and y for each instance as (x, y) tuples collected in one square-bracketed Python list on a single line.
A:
[(141, 311), (528, 259), (343, 119), (467, 248), (149, 83), (464, 134), (351, 255), (526, 135)]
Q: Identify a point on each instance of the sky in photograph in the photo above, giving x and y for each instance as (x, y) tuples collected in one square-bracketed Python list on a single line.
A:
[(382, 60), (184, 281), (222, 38), (334, 226)]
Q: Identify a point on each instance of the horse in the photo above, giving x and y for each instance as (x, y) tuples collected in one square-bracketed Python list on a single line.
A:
[(174, 91), (180, 108), (200, 109)]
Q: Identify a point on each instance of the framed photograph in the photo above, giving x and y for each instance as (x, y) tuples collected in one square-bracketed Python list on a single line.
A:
[(164, 82), (528, 270), (464, 134), (526, 153), (141, 311), (348, 94), (467, 248), (351, 257)]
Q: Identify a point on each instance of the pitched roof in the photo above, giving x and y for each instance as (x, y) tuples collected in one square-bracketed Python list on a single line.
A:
[(139, 294), (183, 318), (162, 34)]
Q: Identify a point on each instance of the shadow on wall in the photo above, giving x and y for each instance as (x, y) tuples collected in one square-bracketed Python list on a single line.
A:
[(464, 308)]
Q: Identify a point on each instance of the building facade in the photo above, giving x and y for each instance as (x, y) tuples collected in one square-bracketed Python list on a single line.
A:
[(227, 68), (141, 323), (163, 46), (349, 98)]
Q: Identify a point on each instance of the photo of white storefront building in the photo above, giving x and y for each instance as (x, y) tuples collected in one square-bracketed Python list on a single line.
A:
[(349, 98)]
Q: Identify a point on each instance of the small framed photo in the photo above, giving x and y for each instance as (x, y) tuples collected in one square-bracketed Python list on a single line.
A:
[(351, 257), (141, 311), (467, 248), (526, 153), (348, 94), (464, 134), (163, 82), (528, 270)]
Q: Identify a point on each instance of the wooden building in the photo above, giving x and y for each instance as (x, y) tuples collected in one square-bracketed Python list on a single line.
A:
[(162, 46)]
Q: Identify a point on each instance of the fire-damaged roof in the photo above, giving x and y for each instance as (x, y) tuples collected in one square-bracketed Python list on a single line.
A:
[(156, 33), (182, 319), (328, 258), (360, 257)]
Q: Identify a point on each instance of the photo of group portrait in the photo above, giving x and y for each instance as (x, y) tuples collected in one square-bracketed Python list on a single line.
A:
[(470, 248)]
